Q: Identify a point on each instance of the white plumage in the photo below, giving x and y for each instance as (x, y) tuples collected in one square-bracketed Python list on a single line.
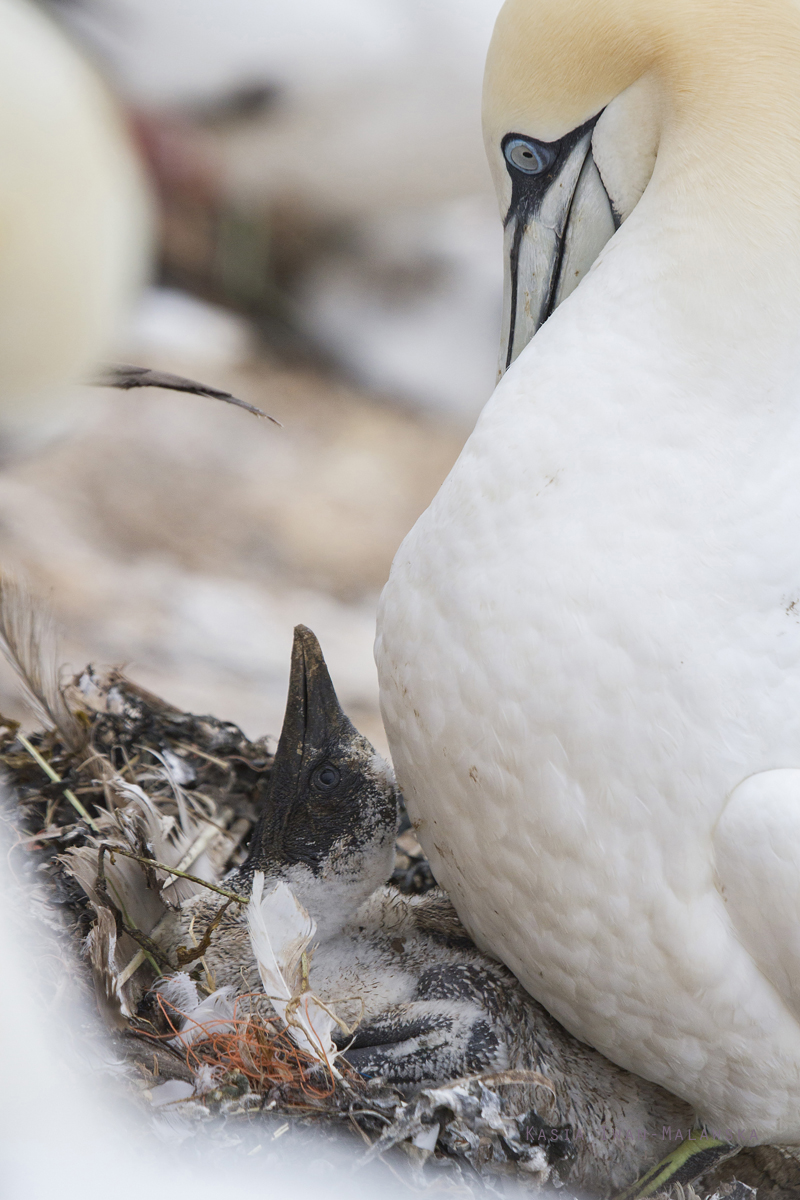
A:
[(196, 1016), (589, 646)]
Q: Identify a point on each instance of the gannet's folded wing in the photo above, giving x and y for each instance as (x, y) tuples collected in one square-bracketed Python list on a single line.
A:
[(757, 851)]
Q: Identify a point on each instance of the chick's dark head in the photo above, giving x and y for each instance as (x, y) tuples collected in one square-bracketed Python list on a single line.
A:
[(330, 817)]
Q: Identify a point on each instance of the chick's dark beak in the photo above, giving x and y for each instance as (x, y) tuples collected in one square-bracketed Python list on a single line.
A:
[(313, 718), (327, 790)]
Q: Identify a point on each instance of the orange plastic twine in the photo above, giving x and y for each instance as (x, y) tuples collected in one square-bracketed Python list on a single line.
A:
[(250, 1045)]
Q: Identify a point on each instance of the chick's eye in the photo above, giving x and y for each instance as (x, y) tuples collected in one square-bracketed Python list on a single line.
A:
[(529, 156), (325, 778)]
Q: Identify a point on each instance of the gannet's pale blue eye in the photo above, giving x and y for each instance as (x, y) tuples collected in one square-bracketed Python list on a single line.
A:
[(529, 156)]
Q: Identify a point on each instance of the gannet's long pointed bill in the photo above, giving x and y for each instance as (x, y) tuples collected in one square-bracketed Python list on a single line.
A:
[(313, 723), (559, 219)]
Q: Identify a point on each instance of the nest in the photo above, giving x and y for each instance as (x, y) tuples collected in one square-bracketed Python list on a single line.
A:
[(118, 786), (132, 779), (119, 779)]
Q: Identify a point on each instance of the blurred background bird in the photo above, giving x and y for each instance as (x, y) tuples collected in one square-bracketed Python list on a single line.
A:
[(74, 218)]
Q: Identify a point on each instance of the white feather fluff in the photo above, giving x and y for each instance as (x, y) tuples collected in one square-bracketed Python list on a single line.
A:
[(280, 932), (214, 1012)]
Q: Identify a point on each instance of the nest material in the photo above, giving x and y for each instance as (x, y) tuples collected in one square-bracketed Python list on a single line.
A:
[(164, 788)]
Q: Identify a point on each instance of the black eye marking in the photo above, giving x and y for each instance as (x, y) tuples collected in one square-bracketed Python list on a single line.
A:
[(325, 778), (529, 155)]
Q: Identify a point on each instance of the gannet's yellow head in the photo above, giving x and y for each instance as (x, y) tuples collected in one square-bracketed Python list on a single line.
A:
[(583, 97)]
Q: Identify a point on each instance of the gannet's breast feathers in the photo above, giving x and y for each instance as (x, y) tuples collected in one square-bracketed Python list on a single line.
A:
[(588, 641)]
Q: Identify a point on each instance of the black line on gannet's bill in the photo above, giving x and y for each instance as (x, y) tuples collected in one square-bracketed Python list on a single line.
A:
[(513, 262)]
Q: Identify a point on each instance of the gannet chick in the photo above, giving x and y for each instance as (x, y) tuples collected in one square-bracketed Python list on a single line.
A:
[(430, 1007)]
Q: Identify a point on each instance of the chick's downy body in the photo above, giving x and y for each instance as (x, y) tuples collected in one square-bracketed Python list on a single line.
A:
[(428, 1006)]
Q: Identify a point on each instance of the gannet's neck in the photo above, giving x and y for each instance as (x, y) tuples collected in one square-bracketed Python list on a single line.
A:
[(726, 181)]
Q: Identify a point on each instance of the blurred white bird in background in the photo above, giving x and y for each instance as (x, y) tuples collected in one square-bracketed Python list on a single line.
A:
[(74, 225)]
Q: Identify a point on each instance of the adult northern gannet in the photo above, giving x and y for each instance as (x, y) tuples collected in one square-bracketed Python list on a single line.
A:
[(589, 645)]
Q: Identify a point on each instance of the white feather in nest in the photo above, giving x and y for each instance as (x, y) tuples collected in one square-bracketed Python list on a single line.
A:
[(193, 829), (198, 1017), (166, 840), (280, 934), (139, 827)]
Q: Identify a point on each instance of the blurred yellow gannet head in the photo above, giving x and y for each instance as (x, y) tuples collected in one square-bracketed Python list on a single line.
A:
[(73, 219), (582, 97)]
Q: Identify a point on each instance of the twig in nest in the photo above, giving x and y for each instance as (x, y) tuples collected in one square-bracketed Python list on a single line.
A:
[(510, 1076), (186, 956), (28, 641), (152, 862), (156, 955)]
